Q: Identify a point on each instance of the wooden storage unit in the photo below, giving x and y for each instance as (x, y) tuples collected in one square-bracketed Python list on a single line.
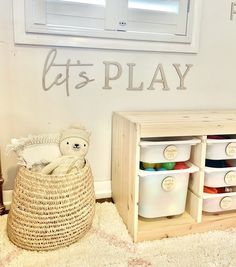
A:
[(129, 128)]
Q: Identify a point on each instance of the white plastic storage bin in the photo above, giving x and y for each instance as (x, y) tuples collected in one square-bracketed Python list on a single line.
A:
[(219, 202), (221, 148), (163, 193), (166, 149), (220, 177)]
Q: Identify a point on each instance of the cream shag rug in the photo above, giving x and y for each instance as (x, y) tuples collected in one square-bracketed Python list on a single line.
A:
[(108, 244)]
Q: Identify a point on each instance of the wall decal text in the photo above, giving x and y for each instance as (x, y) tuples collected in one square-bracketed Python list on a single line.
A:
[(59, 79)]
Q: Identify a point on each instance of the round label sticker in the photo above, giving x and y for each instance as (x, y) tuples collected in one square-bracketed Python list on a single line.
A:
[(231, 150), (168, 183), (226, 203), (230, 178), (170, 152)]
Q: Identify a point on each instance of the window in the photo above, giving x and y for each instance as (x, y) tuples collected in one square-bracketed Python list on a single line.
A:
[(140, 24)]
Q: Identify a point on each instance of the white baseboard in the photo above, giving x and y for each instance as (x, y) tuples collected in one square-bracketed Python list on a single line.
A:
[(7, 196), (102, 190)]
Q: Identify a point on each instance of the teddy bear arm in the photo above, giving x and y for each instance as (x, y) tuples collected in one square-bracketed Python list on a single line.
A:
[(51, 166)]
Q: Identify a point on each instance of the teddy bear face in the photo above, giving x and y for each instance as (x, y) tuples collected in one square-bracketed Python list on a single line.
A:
[(74, 146)]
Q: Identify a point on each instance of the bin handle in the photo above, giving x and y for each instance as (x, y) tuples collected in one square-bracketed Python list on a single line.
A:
[(193, 141), (192, 168)]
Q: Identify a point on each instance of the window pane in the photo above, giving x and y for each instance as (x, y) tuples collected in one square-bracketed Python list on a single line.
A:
[(158, 16), (76, 14), (156, 5)]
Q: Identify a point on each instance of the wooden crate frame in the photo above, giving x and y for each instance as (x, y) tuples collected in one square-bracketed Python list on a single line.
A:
[(127, 130)]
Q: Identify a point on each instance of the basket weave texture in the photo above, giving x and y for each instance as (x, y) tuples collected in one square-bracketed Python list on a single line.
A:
[(50, 211)]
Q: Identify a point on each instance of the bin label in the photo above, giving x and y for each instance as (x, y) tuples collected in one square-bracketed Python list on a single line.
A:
[(230, 178), (226, 203), (170, 152), (168, 184), (231, 150)]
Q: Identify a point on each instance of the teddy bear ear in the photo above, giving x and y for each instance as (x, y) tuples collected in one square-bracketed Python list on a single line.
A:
[(89, 133)]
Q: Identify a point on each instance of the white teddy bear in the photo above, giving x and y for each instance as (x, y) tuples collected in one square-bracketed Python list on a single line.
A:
[(74, 143)]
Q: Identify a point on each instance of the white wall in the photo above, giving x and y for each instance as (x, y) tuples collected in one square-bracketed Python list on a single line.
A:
[(26, 108)]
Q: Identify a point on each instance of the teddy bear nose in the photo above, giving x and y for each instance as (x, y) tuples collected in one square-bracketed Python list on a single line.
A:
[(76, 145)]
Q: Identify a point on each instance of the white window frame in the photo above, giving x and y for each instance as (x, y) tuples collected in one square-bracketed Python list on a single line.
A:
[(36, 32)]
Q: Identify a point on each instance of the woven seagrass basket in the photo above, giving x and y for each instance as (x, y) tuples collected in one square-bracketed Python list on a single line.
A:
[(50, 211)]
